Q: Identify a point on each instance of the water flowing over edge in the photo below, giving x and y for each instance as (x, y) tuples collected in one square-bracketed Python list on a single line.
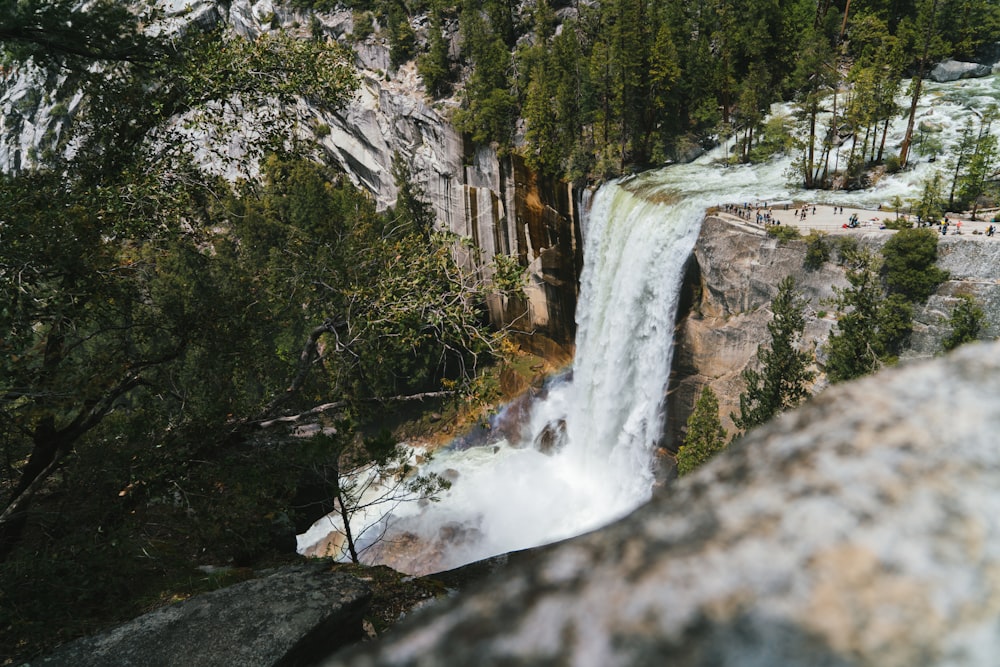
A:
[(609, 416), (609, 412)]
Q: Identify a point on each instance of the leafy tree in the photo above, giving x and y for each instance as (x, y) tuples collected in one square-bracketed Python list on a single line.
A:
[(784, 375), (966, 322), (705, 435), (872, 328), (817, 251), (924, 38), (434, 65), (909, 264), (812, 79), (411, 202), (960, 157), (853, 349), (929, 206), (68, 33), (402, 38), (982, 163)]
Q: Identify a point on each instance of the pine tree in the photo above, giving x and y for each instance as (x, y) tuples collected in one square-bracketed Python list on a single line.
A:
[(705, 435), (966, 321), (784, 374)]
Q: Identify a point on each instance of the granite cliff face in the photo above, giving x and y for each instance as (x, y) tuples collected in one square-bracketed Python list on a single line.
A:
[(474, 192), (733, 275)]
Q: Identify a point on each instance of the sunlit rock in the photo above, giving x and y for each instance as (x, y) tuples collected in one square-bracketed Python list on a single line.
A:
[(953, 70)]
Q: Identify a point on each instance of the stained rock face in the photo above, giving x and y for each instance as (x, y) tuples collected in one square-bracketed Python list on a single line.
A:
[(862, 529), (292, 617)]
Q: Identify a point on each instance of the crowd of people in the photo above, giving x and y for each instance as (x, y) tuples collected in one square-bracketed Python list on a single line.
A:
[(763, 214)]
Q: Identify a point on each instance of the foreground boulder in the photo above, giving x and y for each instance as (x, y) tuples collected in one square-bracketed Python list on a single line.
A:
[(862, 529), (293, 616)]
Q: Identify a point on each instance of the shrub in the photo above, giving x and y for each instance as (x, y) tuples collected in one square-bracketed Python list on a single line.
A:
[(848, 253), (897, 223), (363, 25), (784, 233), (705, 435), (908, 266), (817, 251), (966, 321)]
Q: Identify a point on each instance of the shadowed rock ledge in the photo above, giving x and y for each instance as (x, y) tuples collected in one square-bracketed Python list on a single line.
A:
[(293, 616), (861, 529)]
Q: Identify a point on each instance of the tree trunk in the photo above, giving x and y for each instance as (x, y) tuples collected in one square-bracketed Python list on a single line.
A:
[(881, 146), (810, 160), (843, 25), (904, 150)]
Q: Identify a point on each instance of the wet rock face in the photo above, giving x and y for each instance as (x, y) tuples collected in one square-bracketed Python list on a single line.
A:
[(862, 529), (294, 616)]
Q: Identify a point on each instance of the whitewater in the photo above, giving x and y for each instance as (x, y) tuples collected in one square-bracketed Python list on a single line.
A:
[(608, 413)]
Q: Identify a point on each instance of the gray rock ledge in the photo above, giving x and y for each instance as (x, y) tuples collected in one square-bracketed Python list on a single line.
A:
[(293, 616), (861, 529)]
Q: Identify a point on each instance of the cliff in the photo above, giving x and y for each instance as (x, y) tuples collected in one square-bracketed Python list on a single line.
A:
[(733, 275), (493, 200)]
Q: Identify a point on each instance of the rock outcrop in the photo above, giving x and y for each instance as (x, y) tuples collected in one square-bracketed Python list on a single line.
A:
[(861, 530), (953, 70), (293, 616), (733, 275)]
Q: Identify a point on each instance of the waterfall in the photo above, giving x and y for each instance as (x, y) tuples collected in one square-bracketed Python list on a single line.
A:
[(636, 246), (608, 415)]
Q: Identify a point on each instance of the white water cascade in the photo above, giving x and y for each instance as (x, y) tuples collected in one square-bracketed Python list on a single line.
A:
[(609, 414)]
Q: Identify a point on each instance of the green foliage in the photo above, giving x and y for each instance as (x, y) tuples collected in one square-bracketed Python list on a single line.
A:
[(775, 138), (363, 24), (66, 33), (412, 207), (975, 180), (705, 435), (848, 252), (909, 264), (137, 354), (784, 233), (930, 205), (630, 83), (508, 276), (489, 107), (897, 224), (872, 328), (784, 375), (175, 311), (402, 38), (817, 251), (852, 350), (434, 65), (966, 322)]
